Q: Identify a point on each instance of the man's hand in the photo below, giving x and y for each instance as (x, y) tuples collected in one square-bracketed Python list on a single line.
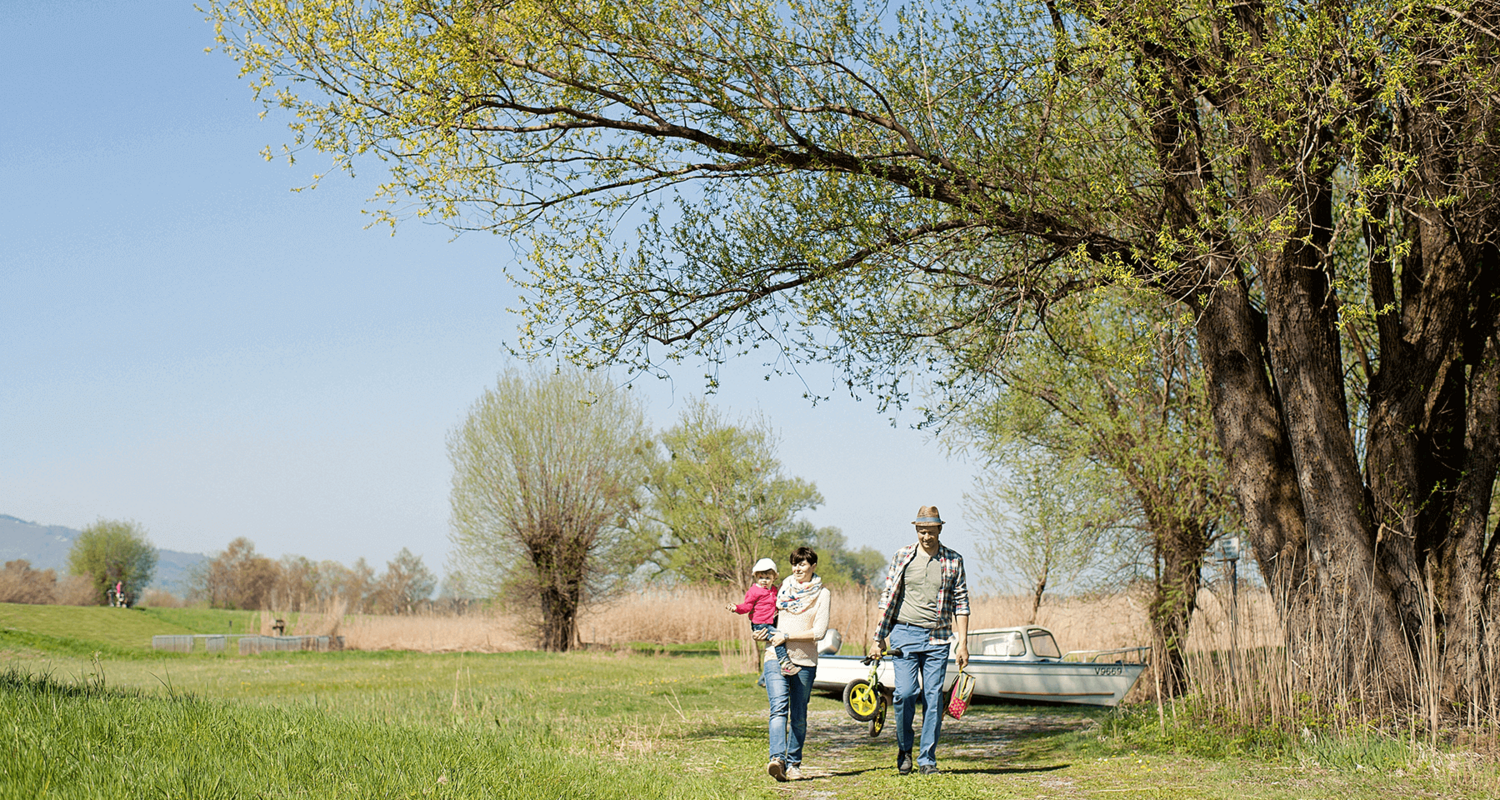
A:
[(961, 633)]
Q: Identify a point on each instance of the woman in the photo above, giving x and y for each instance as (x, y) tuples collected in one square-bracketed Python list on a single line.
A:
[(802, 604)]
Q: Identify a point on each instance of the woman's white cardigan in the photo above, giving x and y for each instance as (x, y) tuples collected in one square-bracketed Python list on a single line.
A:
[(814, 619)]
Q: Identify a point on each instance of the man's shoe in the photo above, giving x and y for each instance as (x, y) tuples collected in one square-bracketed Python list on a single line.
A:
[(794, 773), (777, 769), (903, 762), (929, 769)]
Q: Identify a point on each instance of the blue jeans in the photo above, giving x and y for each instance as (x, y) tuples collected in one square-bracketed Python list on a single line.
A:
[(788, 695), (930, 662), (771, 633)]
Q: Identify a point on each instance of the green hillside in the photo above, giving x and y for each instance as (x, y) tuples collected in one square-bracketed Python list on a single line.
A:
[(79, 628)]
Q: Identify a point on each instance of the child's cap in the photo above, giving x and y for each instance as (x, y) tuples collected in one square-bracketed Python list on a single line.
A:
[(764, 565)]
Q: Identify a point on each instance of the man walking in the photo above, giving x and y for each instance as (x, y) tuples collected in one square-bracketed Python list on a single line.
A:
[(925, 607)]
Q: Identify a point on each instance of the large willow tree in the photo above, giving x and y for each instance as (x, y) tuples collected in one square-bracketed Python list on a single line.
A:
[(547, 473), (892, 189)]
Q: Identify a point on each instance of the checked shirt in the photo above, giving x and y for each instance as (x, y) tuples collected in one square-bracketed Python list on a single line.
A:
[(952, 596)]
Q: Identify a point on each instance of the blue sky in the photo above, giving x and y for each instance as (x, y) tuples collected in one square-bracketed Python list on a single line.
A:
[(188, 343)]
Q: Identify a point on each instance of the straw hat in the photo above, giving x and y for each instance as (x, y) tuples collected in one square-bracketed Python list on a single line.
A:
[(928, 515)]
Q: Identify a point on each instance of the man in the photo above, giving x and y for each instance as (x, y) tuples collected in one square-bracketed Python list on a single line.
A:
[(924, 608)]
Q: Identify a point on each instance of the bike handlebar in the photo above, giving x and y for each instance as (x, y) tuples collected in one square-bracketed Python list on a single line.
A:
[(894, 652)]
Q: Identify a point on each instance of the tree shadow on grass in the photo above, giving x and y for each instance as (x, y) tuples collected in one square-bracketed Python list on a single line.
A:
[(846, 773), (1005, 770)]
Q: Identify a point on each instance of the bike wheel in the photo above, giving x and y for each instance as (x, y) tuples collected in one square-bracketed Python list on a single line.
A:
[(861, 700), (878, 722)]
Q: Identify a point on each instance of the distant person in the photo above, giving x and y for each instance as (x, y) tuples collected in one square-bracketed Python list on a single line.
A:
[(924, 608), (760, 604), (120, 593), (803, 604)]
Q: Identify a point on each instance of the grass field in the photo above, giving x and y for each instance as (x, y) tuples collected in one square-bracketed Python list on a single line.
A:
[(598, 724)]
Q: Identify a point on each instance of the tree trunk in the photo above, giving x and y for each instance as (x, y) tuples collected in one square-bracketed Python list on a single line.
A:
[(1471, 625), (559, 620), (1250, 431), (1180, 557)]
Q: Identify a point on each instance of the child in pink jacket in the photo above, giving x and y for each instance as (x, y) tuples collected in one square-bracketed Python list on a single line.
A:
[(760, 604)]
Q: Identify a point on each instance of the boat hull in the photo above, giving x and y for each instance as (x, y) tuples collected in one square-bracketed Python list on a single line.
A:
[(1072, 682)]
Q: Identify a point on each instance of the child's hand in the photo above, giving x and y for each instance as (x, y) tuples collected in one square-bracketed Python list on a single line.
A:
[(731, 607)]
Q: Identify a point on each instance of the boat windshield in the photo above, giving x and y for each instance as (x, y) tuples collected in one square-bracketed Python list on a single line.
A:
[(1043, 645), (1005, 643)]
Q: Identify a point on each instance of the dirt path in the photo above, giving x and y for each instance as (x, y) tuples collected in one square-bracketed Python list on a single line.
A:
[(840, 748)]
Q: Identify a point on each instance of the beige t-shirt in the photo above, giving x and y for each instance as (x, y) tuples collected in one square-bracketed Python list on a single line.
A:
[(814, 620), (923, 578)]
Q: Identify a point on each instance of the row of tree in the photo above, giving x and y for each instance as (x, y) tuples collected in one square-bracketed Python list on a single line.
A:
[(239, 577), (115, 553)]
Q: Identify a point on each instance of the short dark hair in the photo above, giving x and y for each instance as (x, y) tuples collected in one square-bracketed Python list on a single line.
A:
[(803, 553)]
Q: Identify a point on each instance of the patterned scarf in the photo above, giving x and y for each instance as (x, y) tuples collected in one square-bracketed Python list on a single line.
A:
[(794, 597)]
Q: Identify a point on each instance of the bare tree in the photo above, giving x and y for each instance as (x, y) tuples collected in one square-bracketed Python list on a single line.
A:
[(547, 471), (237, 577), (407, 582)]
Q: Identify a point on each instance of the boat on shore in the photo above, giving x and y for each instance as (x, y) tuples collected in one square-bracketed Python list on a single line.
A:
[(1021, 664)]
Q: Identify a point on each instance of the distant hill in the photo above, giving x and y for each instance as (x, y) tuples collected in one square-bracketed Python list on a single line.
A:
[(47, 546)]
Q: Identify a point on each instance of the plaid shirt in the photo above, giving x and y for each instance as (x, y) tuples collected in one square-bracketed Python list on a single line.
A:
[(952, 596)]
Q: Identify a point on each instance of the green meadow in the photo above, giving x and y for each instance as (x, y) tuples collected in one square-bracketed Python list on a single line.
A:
[(88, 710)]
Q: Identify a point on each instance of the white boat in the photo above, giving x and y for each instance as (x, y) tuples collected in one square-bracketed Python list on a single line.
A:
[(1020, 664)]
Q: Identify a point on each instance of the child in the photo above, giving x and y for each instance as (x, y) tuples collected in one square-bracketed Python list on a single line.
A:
[(760, 604)]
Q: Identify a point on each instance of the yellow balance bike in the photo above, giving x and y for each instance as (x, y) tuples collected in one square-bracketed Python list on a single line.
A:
[(864, 698)]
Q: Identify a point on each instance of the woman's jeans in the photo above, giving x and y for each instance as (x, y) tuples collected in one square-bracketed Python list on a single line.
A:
[(788, 695), (930, 661)]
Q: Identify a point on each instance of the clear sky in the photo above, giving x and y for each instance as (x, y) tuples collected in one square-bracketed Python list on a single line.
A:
[(187, 343)]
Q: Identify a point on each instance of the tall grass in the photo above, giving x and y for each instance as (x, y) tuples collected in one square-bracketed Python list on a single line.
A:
[(1244, 676)]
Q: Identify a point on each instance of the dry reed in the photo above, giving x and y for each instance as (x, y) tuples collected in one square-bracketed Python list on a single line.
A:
[(477, 632), (1244, 675), (695, 615)]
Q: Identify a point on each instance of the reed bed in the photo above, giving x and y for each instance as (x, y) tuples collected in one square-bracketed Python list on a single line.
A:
[(1244, 675), (483, 631), (694, 615)]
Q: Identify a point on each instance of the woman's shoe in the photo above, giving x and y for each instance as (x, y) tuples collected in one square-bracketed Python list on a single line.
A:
[(777, 769)]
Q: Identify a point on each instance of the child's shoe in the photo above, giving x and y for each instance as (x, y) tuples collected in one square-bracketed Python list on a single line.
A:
[(788, 668)]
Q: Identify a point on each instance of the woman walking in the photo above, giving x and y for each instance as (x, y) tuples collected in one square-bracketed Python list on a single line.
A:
[(802, 605)]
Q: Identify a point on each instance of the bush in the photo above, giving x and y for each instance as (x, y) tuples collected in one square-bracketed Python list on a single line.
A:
[(19, 583)]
